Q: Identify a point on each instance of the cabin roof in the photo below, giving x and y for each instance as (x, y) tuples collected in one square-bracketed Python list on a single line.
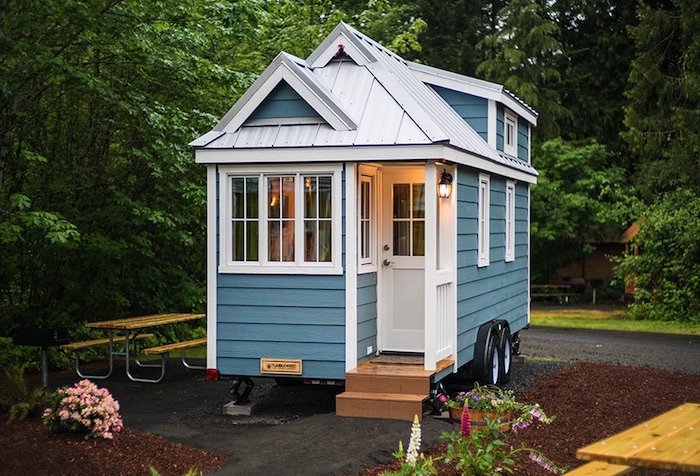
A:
[(364, 96)]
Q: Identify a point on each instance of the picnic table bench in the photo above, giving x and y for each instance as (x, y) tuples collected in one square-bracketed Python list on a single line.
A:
[(600, 468), (559, 291), (131, 329)]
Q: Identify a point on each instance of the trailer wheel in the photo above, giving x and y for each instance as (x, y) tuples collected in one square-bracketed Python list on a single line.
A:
[(487, 365), (506, 352)]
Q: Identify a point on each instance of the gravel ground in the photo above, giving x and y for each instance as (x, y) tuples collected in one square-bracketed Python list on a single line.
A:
[(294, 429)]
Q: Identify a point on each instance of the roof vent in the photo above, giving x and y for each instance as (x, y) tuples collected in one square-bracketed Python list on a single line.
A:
[(341, 52)]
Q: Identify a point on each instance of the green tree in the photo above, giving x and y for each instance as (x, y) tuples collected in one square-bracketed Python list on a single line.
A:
[(595, 67), (574, 201), (662, 114), (101, 207), (521, 55)]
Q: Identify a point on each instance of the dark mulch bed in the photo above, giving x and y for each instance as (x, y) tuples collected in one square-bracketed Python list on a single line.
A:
[(590, 401)]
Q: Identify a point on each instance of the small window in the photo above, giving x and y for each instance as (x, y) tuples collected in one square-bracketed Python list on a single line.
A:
[(367, 221), (510, 221), (510, 133), (280, 220), (483, 225)]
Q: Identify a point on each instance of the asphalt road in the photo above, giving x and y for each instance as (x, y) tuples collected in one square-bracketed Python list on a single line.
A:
[(667, 351)]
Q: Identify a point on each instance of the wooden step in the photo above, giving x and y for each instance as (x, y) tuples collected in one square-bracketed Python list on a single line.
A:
[(362, 382), (395, 406)]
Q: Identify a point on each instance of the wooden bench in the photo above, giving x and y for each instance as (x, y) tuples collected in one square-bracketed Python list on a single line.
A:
[(558, 291), (164, 351), (600, 468), (78, 346)]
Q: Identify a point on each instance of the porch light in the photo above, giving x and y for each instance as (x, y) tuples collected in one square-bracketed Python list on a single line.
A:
[(444, 186)]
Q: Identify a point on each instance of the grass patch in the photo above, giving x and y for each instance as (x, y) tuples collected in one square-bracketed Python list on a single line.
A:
[(538, 358), (606, 319)]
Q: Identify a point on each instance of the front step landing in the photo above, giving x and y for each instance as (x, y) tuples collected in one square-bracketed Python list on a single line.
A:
[(395, 406)]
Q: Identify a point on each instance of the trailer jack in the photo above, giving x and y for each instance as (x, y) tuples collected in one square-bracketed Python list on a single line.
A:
[(241, 398)]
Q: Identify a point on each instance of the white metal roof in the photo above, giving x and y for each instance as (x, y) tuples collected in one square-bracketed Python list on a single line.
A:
[(370, 97)]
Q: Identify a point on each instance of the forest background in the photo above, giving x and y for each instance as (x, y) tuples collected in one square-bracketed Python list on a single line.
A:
[(102, 208)]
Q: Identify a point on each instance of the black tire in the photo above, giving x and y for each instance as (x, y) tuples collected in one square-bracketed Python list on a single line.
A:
[(506, 351), (486, 366)]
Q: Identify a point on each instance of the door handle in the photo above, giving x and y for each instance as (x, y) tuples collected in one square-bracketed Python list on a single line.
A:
[(386, 262)]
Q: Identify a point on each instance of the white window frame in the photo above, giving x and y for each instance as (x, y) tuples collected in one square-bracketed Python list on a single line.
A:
[(263, 266), (368, 175), (510, 220), (483, 228), (510, 141)]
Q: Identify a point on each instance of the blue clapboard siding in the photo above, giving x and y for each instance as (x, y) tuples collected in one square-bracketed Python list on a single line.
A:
[(474, 110), (366, 314), (283, 102), (499, 290), (281, 317), (523, 141)]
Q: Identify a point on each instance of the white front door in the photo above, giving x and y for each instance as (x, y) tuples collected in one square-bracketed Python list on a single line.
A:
[(402, 260)]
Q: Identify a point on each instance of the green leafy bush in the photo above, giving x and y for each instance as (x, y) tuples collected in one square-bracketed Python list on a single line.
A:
[(16, 397)]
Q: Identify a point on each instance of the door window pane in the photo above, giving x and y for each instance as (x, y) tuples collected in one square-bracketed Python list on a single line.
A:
[(402, 238), (402, 200), (418, 238), (418, 205)]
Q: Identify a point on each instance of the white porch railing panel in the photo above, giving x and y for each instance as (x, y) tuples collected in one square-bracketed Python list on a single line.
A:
[(444, 313)]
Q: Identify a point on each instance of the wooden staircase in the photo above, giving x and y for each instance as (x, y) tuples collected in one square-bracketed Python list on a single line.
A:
[(379, 390)]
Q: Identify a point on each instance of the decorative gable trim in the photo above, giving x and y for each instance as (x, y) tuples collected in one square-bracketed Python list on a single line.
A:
[(343, 41), (292, 70)]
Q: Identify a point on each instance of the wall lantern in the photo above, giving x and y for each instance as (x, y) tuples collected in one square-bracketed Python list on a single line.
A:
[(444, 186)]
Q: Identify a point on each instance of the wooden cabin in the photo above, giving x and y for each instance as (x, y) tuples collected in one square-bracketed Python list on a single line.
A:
[(328, 244)]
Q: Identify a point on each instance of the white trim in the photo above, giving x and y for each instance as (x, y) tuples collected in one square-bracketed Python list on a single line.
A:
[(484, 215), (287, 68), (262, 266), (510, 148), (366, 153), (350, 269), (492, 124), (370, 265), (430, 267), (510, 221), (529, 258), (211, 267)]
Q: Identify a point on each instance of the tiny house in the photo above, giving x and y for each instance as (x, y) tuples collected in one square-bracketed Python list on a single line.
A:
[(362, 207)]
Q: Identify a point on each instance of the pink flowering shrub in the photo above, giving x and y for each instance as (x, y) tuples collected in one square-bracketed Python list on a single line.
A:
[(84, 408)]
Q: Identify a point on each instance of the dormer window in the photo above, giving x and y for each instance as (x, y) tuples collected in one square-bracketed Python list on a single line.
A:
[(510, 135)]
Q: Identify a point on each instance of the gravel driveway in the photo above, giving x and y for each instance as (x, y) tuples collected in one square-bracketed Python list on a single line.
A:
[(295, 430)]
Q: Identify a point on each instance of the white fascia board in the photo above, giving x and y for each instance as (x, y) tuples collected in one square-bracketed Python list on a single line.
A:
[(286, 68), (473, 86), (392, 153)]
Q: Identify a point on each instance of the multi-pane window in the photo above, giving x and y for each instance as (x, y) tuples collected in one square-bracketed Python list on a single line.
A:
[(409, 219), (510, 138), (366, 218), (318, 218), (483, 220), (280, 221), (510, 221), (244, 218)]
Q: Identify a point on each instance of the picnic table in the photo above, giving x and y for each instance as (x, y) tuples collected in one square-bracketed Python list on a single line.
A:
[(670, 441), (560, 291), (128, 332)]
